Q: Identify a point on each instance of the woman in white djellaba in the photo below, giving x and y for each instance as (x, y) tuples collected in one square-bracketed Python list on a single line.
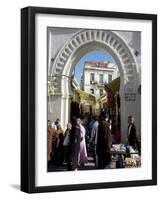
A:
[(83, 158)]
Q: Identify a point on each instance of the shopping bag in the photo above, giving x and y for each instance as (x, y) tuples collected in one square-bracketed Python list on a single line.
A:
[(66, 140)]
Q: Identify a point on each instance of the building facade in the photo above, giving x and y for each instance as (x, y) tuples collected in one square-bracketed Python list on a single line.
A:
[(96, 75)]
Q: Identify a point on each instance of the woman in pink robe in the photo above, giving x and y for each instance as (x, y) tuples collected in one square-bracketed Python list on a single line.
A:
[(83, 158)]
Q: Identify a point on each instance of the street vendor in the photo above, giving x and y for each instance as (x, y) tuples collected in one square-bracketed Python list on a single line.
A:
[(132, 135)]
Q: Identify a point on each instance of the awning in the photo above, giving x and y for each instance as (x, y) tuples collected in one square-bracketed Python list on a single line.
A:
[(114, 86), (86, 96), (102, 98)]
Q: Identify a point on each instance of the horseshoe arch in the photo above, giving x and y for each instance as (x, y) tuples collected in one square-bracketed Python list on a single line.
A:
[(80, 44)]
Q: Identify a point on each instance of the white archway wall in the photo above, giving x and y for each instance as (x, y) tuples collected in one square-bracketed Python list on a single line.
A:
[(107, 40)]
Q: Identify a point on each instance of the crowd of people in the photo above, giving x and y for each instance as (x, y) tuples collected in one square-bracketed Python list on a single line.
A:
[(72, 145)]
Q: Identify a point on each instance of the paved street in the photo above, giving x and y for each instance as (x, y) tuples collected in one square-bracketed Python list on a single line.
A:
[(87, 166)]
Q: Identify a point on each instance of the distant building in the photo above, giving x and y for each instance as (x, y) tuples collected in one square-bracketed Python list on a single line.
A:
[(96, 75)]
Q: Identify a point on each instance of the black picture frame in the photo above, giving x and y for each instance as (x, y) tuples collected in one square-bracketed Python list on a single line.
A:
[(28, 98)]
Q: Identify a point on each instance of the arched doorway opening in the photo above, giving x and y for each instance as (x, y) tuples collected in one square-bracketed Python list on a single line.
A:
[(96, 89)]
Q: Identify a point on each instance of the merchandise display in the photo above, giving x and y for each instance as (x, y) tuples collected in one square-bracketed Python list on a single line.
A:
[(123, 156)]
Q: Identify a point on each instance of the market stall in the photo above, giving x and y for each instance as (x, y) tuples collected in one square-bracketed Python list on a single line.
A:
[(124, 156)]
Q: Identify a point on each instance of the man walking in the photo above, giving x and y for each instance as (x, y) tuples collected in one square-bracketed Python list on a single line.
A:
[(132, 136), (93, 140), (104, 141)]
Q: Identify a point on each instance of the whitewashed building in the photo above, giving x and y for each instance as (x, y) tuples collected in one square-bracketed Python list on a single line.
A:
[(96, 75)]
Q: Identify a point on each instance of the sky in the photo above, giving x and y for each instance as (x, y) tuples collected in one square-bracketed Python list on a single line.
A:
[(91, 56)]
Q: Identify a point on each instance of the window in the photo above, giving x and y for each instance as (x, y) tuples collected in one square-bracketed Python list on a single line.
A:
[(101, 92), (91, 77), (109, 78), (101, 78), (92, 91)]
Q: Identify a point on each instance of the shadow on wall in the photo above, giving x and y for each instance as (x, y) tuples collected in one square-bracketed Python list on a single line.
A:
[(15, 186)]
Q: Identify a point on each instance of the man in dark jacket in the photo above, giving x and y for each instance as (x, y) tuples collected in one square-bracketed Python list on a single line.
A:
[(104, 141), (132, 136)]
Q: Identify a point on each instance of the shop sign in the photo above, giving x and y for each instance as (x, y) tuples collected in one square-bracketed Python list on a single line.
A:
[(130, 96)]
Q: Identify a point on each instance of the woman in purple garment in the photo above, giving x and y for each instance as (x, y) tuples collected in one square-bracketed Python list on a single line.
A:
[(83, 158), (75, 138)]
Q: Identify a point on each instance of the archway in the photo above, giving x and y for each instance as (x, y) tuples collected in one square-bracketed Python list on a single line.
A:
[(83, 42)]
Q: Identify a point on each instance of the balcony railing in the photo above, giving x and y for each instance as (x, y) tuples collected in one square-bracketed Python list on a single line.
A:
[(92, 82)]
